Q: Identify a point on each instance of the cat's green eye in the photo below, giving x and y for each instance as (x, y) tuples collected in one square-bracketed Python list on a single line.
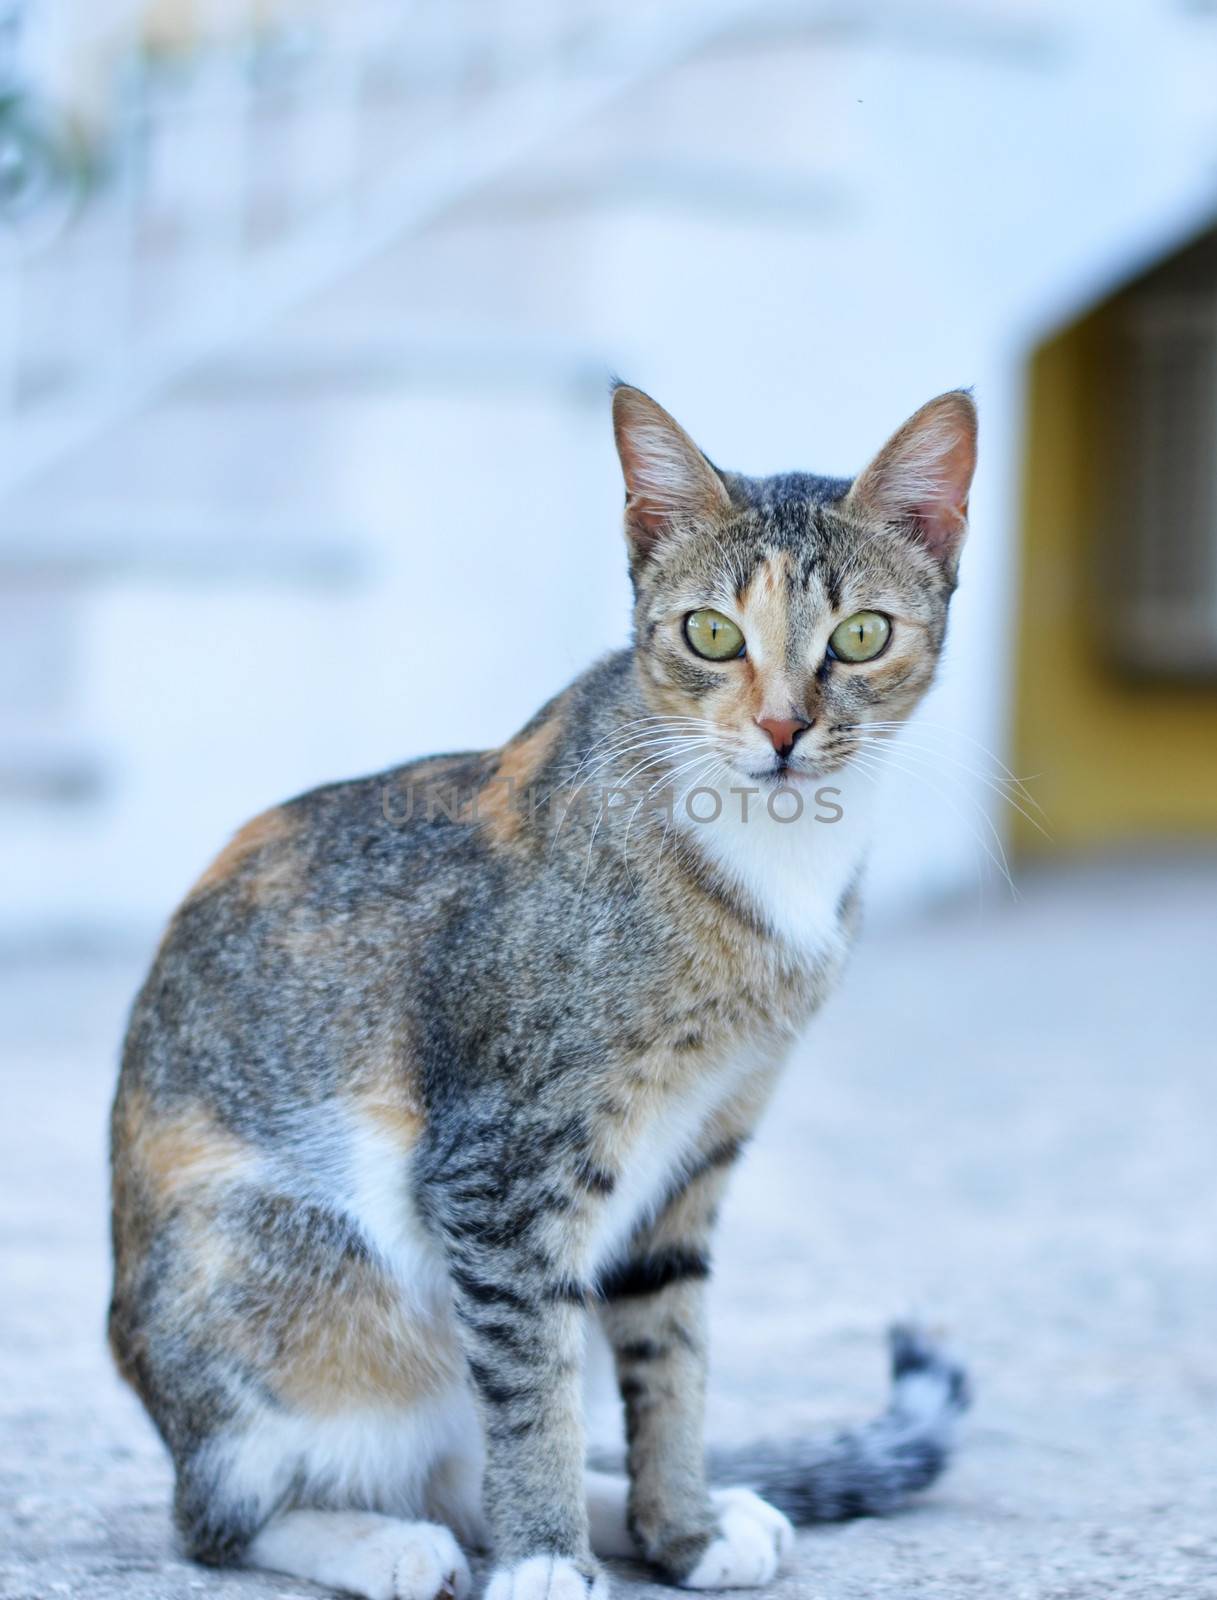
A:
[(860, 637), (714, 636)]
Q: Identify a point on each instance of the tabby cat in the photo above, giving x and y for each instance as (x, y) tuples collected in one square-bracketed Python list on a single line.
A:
[(434, 1066)]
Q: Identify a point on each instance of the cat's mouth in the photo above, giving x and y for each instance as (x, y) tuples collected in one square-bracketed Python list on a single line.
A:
[(782, 774)]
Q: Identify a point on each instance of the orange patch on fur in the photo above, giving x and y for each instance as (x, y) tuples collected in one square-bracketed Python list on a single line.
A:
[(354, 1344), (772, 572), (383, 1089), (399, 1117), (502, 803), (181, 1151), (271, 828)]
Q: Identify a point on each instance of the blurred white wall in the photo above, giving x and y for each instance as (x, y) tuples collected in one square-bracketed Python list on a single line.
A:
[(792, 238)]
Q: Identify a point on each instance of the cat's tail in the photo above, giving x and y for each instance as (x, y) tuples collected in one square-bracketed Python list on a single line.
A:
[(871, 1469)]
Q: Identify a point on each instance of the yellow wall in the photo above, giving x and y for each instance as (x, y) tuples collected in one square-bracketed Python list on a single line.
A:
[(1114, 760)]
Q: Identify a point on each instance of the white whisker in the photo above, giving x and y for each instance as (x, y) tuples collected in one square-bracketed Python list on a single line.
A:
[(883, 756), (1001, 787)]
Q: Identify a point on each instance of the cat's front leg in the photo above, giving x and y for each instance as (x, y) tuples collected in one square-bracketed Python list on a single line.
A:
[(654, 1314), (521, 1312)]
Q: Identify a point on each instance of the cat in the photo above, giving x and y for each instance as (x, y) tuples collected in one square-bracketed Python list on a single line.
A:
[(432, 1067)]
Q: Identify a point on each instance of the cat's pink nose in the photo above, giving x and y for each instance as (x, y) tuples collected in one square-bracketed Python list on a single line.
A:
[(782, 731)]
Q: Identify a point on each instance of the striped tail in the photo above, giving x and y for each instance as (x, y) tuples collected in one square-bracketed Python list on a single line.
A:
[(871, 1469)]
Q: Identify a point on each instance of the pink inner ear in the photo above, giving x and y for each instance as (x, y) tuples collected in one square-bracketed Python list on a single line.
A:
[(667, 478), (942, 516), (649, 508), (942, 528), (646, 524), (923, 475)]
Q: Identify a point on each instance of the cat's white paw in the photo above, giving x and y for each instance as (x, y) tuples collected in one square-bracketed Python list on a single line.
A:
[(752, 1540), (365, 1554), (429, 1565), (546, 1578)]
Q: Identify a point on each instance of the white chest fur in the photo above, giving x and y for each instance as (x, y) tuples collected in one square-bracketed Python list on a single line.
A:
[(794, 869), (661, 1154), (795, 873)]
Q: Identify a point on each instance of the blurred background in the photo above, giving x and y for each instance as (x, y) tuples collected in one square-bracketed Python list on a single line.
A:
[(307, 313), (307, 316)]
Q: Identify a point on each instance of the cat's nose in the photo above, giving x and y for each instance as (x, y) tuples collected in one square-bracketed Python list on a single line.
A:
[(782, 731)]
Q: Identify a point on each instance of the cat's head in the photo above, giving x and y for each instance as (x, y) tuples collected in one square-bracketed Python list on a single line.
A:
[(782, 615)]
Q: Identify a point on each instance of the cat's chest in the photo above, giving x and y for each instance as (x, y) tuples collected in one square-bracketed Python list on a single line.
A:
[(664, 1144), (671, 1128), (796, 876), (794, 856)]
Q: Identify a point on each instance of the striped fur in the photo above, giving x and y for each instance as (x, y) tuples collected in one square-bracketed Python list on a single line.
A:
[(434, 1065)]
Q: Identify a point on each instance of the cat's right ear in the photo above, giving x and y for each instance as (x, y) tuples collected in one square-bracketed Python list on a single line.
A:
[(668, 482)]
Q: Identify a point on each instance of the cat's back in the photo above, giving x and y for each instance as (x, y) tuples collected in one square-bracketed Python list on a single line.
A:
[(336, 846), (333, 929), (298, 935)]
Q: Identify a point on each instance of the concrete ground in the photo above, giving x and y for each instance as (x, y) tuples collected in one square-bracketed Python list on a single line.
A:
[(1006, 1120)]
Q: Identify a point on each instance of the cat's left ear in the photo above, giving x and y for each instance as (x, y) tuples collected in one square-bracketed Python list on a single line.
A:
[(669, 483), (922, 477)]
